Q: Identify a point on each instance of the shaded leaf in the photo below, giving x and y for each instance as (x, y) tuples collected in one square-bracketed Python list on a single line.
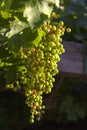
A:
[(10, 73)]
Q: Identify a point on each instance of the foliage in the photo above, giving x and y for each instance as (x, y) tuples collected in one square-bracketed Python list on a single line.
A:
[(74, 14), (71, 110), (70, 102), (14, 113), (73, 106)]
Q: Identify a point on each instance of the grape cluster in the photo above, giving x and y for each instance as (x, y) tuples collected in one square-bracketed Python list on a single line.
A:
[(41, 65)]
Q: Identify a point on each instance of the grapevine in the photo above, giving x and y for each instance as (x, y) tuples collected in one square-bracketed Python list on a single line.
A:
[(41, 65), (29, 56)]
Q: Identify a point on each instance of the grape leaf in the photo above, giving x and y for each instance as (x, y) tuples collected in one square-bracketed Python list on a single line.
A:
[(16, 27), (10, 73), (42, 7), (40, 34), (25, 39)]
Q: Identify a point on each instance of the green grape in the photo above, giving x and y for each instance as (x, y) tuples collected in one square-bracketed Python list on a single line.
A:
[(7, 86), (43, 66), (54, 51), (31, 121), (43, 107), (60, 39), (15, 89), (35, 113), (52, 44), (18, 87), (43, 112), (60, 24), (48, 90), (38, 118), (68, 30), (54, 15), (53, 37), (11, 86), (54, 28)]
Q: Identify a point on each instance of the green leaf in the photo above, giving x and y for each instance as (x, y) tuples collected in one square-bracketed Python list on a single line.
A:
[(3, 52), (81, 112), (40, 34), (24, 39), (72, 115), (32, 19), (2, 3), (6, 14), (21, 68), (37, 9), (5, 4), (10, 74)]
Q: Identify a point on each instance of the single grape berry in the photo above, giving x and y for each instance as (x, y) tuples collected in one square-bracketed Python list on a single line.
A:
[(68, 30), (31, 121)]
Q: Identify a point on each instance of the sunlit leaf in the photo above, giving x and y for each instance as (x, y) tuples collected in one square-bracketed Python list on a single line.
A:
[(5, 14), (2, 4), (40, 34), (16, 27)]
